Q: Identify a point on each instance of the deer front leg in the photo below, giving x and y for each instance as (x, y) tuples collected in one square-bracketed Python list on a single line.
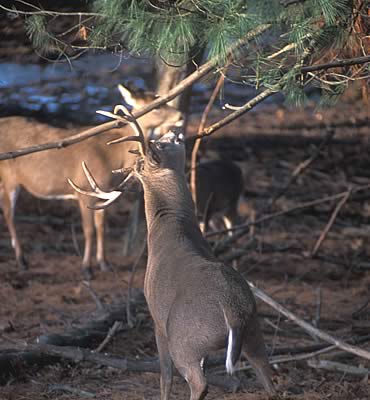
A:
[(165, 363), (99, 221), (87, 216), (8, 200)]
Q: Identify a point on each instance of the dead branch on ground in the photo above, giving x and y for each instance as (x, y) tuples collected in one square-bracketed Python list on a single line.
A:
[(308, 327), (330, 223), (302, 166), (112, 331), (244, 228)]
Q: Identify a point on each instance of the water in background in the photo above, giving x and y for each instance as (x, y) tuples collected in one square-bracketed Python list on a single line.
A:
[(73, 92)]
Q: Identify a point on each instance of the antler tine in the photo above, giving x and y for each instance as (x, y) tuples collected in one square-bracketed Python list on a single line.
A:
[(108, 197), (125, 139), (131, 120), (114, 194)]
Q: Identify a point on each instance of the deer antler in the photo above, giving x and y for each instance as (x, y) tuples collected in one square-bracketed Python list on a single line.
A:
[(131, 120), (108, 197)]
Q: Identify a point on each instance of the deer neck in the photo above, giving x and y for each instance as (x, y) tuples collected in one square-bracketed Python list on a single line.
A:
[(170, 215)]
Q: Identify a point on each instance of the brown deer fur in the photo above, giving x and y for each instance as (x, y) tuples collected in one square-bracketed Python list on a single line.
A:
[(198, 304), (45, 174)]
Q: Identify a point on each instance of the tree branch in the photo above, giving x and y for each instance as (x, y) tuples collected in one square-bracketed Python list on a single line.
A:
[(308, 327), (336, 64), (243, 229), (236, 114), (201, 72)]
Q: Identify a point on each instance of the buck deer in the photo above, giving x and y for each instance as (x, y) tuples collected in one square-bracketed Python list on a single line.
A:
[(219, 185), (197, 303), (45, 174)]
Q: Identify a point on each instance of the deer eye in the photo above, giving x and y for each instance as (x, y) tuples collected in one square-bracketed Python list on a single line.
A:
[(160, 145)]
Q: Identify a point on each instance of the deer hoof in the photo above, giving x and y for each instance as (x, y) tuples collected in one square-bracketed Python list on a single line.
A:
[(22, 264), (87, 273), (104, 266)]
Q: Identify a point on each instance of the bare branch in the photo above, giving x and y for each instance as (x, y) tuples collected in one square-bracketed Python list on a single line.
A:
[(40, 11), (244, 228), (194, 153), (336, 64), (308, 327), (324, 233), (236, 114), (202, 71)]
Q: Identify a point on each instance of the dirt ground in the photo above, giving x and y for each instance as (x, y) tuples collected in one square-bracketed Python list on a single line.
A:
[(268, 145)]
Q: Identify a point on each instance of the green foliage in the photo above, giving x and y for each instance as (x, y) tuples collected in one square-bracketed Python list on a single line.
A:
[(331, 94), (42, 39), (176, 29)]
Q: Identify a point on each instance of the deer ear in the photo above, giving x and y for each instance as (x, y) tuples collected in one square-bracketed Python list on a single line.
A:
[(127, 96)]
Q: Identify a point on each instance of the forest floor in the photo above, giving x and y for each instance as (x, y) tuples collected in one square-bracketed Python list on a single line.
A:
[(326, 289)]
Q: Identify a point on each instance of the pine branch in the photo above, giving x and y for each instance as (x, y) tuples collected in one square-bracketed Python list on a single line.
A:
[(336, 64), (201, 72), (236, 114), (40, 11)]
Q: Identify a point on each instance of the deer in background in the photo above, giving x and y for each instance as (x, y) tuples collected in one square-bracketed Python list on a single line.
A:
[(198, 304), (45, 174), (219, 186)]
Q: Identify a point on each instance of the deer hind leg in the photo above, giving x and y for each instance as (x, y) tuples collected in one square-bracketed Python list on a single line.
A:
[(255, 351), (87, 216), (166, 365), (8, 202), (189, 365), (99, 221)]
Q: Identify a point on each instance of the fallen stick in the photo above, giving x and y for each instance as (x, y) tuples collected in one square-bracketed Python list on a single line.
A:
[(58, 387), (244, 228), (302, 166), (308, 327), (334, 366), (112, 331), (330, 223), (52, 354), (296, 357)]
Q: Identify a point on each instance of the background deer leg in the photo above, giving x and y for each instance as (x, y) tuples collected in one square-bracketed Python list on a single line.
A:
[(166, 366), (99, 221), (8, 201), (87, 216), (255, 351)]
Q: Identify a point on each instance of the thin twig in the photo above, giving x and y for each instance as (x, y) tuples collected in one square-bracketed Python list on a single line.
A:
[(335, 366), (244, 227), (99, 303), (58, 387), (302, 166), (308, 327), (325, 232), (318, 307), (336, 64), (290, 358), (112, 331), (236, 114), (202, 124), (130, 321)]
